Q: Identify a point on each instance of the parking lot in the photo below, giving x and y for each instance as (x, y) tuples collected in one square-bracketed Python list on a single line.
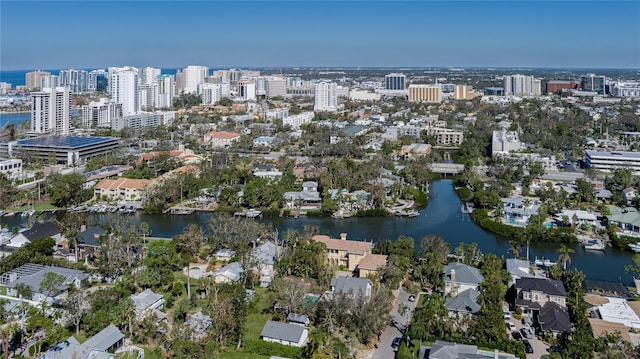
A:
[(539, 347)]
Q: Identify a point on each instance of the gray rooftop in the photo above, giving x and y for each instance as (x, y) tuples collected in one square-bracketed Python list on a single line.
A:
[(297, 318), (350, 285), (544, 285), (105, 339), (145, 299), (516, 268), (33, 280), (465, 301), (266, 253), (232, 271), (199, 322), (283, 331), (464, 273)]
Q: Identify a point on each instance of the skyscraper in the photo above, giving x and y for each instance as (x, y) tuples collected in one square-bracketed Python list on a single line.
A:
[(148, 75), (211, 93), (148, 96), (325, 97), (275, 86), (395, 82), (33, 79), (50, 110), (247, 90), (592, 82), (75, 80), (166, 91), (521, 85), (123, 88), (192, 76)]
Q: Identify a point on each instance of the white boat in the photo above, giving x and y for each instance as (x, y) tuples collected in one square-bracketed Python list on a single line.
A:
[(544, 262), (253, 213), (594, 245), (635, 247)]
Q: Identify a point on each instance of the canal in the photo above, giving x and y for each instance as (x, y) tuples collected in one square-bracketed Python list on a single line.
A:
[(441, 217)]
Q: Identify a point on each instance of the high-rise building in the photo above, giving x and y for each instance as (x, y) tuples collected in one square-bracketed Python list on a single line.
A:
[(594, 83), (148, 96), (192, 76), (148, 75), (425, 93), (463, 92), (247, 90), (275, 86), (75, 80), (97, 80), (50, 81), (395, 82), (166, 91), (50, 110), (100, 114), (521, 85), (33, 79), (210, 93), (326, 98), (123, 88)]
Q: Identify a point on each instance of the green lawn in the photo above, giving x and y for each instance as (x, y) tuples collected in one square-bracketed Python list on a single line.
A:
[(256, 319), (239, 355), (39, 206)]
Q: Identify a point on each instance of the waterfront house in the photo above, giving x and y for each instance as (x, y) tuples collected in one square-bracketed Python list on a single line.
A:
[(459, 277), (88, 241), (126, 189), (533, 293), (518, 211), (518, 268), (578, 217), (265, 256), (371, 265), (343, 252), (554, 318), (284, 333), (308, 198), (626, 219), (463, 304), (38, 230)]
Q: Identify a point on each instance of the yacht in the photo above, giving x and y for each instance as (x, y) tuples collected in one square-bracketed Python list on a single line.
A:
[(635, 247), (594, 245)]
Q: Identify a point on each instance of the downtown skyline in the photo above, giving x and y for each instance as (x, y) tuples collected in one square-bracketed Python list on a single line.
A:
[(319, 34)]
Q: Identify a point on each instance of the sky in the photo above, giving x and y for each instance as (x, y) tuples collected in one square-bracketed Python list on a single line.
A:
[(98, 34)]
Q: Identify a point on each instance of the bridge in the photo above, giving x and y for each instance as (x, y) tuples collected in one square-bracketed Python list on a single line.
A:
[(447, 168)]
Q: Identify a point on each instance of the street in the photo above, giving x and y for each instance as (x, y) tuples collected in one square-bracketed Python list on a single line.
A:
[(384, 349)]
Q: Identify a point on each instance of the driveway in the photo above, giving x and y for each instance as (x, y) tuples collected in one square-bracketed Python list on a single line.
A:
[(384, 350), (539, 347)]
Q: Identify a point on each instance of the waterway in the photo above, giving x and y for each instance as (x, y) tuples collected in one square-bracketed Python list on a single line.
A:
[(442, 217), (16, 118)]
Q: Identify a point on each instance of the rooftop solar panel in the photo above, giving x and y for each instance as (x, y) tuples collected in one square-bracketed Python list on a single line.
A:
[(63, 141)]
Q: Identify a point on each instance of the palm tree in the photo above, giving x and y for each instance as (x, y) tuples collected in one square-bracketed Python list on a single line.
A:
[(515, 248), (564, 257), (144, 230)]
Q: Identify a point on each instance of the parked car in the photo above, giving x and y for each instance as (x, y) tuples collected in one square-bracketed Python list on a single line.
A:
[(396, 342), (516, 335), (412, 298), (555, 349), (505, 313), (527, 331), (527, 346), (511, 326)]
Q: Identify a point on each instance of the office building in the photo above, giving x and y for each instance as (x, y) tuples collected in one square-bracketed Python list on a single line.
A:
[(326, 98), (556, 86), (32, 79), (100, 113), (148, 75), (247, 90), (521, 85), (123, 88), (275, 86), (166, 91), (12, 168), (97, 80), (504, 141), (50, 110), (68, 150), (395, 82), (593, 83), (192, 76), (608, 161), (261, 85), (75, 80), (425, 93), (626, 89), (463, 92)]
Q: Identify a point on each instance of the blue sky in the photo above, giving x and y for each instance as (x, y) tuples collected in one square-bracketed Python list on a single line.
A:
[(54, 34)]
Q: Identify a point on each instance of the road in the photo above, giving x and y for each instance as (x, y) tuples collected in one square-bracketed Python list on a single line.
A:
[(384, 349)]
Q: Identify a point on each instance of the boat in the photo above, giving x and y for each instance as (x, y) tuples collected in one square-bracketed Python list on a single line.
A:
[(544, 262), (130, 209), (24, 214), (593, 245), (253, 213), (32, 212), (635, 247)]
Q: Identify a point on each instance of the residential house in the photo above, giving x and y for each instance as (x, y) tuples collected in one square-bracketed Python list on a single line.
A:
[(221, 139), (224, 255), (554, 318), (447, 350), (229, 273), (38, 230), (459, 277), (601, 328), (148, 302), (100, 346), (518, 268), (308, 198), (126, 189), (285, 333), (31, 275), (88, 242), (603, 195), (518, 211), (626, 219), (199, 323), (298, 319), (371, 265), (533, 293), (353, 287), (628, 194), (415, 150), (619, 310), (463, 304), (578, 218), (343, 252), (265, 256), (264, 141)]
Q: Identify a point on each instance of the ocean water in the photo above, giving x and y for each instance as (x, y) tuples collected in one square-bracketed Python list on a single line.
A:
[(15, 118)]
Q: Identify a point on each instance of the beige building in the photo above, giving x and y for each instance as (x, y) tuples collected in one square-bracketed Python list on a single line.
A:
[(122, 189), (221, 139), (371, 265), (33, 79), (463, 92), (425, 93), (342, 252)]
